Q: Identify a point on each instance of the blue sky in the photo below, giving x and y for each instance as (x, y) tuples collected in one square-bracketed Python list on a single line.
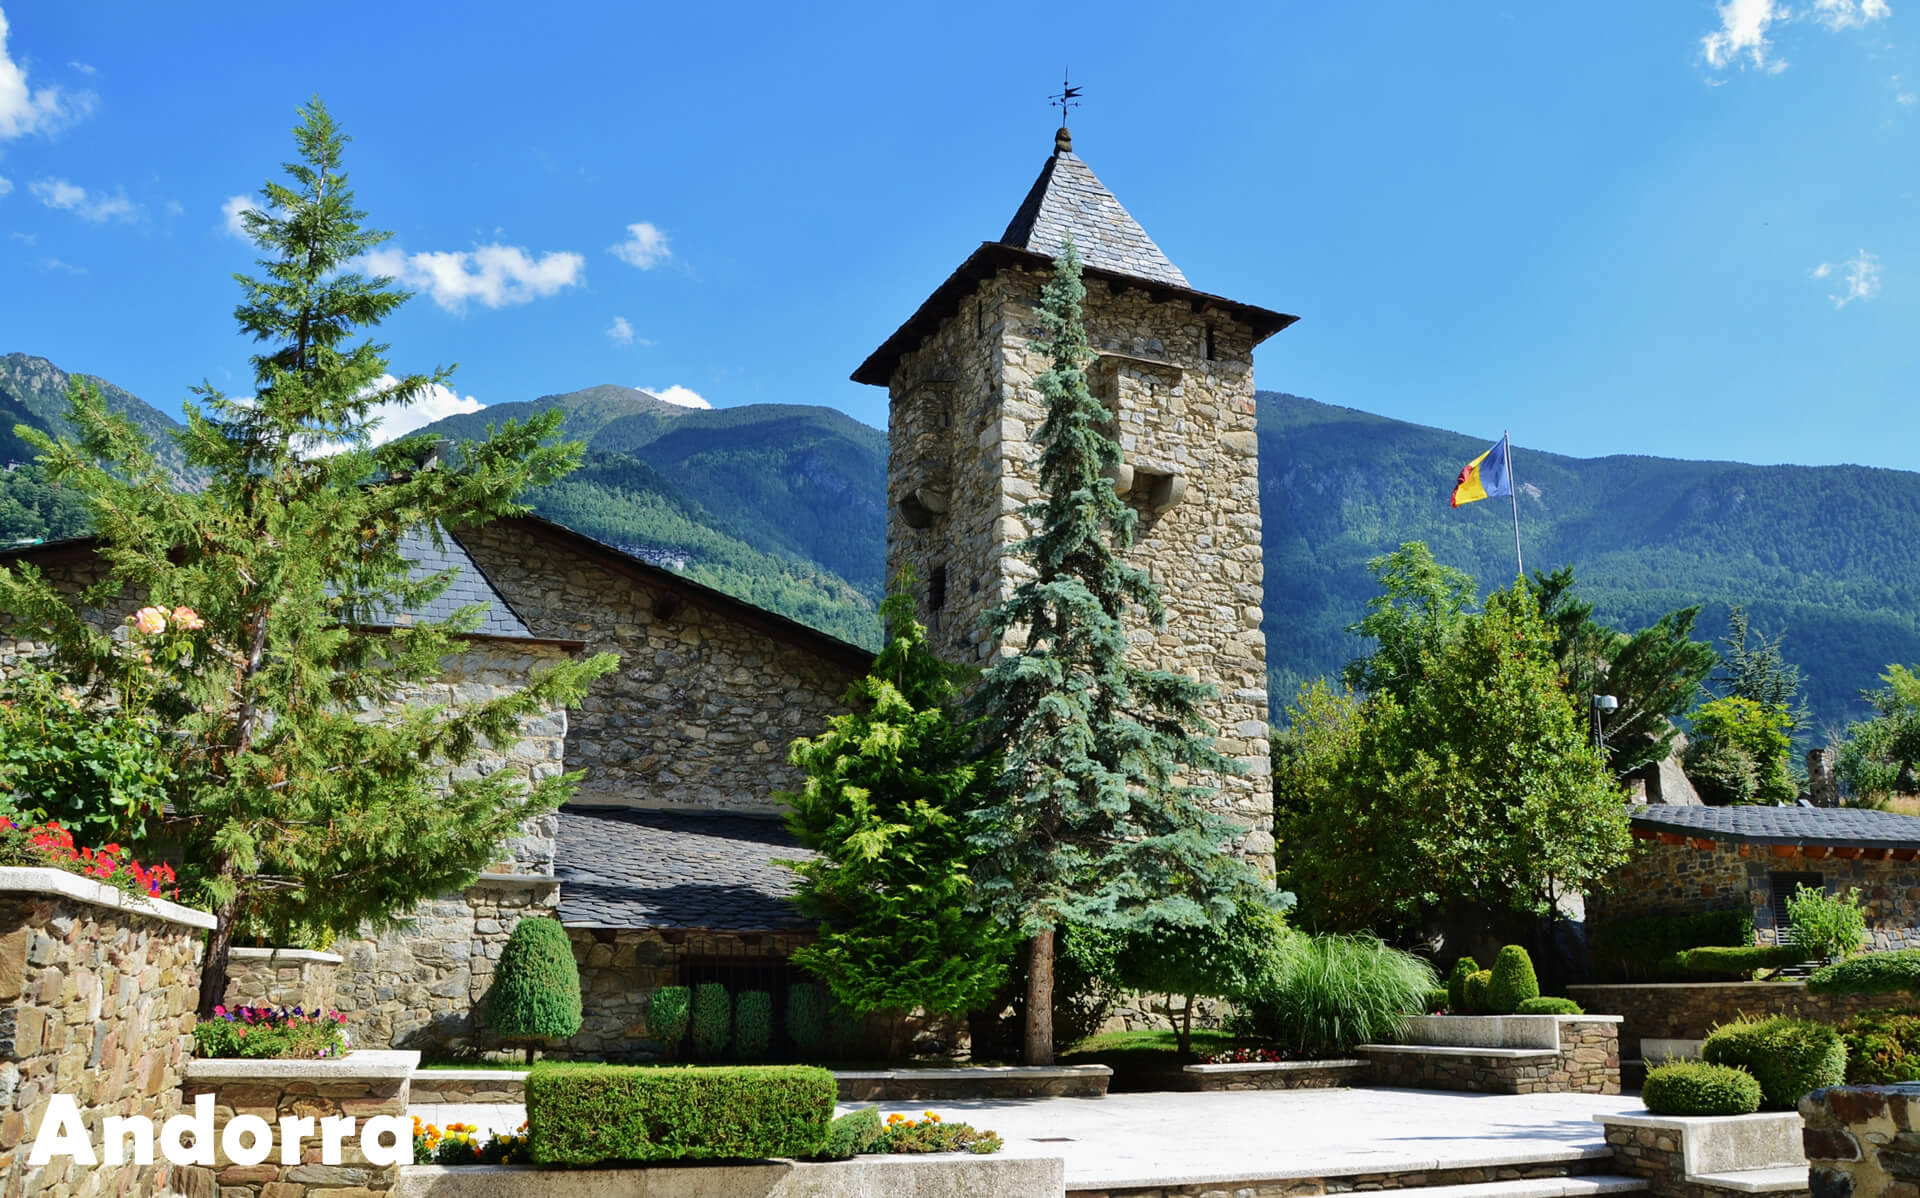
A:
[(1658, 226)]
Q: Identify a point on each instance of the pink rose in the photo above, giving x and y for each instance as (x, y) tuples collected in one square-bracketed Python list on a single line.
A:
[(187, 618), (150, 620)]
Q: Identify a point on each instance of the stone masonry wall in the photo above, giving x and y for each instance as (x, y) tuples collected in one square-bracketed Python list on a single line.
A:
[(96, 1001), (1351, 1183), (287, 977), (961, 423), (1689, 1010), (701, 711), (1588, 1063), (620, 970), (1671, 873), (1863, 1141)]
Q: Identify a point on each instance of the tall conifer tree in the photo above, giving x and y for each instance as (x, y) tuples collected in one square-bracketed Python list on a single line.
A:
[(307, 776), (1095, 819)]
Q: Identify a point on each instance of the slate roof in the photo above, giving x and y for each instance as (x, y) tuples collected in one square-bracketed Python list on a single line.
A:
[(1067, 200), (470, 585), (1783, 825), (620, 868)]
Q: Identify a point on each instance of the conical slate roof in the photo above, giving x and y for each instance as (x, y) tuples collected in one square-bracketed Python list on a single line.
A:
[(1067, 200)]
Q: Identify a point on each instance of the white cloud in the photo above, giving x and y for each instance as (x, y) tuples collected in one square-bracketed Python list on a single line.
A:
[(434, 403), (231, 212), (82, 67), (645, 247), (1858, 276), (26, 238), (1902, 95), (6, 185), (495, 275), (686, 397), (24, 109), (57, 264), (1742, 36), (620, 332), (88, 206), (1849, 14)]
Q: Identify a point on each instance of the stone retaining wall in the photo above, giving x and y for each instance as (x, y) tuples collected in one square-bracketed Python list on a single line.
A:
[(1352, 1183), (1709, 1156), (468, 1085), (1863, 1141), (987, 1081), (1587, 1061), (281, 977), (1280, 1075), (1689, 1010), (1008, 1174), (96, 1001)]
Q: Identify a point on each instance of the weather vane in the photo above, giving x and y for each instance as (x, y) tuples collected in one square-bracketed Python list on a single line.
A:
[(1069, 96)]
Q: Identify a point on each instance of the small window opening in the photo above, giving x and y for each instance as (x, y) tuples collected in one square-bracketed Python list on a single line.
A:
[(1212, 349), (1783, 887), (937, 588)]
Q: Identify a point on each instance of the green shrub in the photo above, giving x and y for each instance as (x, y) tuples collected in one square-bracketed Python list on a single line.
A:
[(1737, 963), (1789, 1056), (1438, 1000), (1826, 925), (1549, 1006), (807, 1018), (1463, 969), (536, 986), (1697, 1088), (1639, 949), (269, 1033), (589, 1114), (101, 773), (1332, 992), (752, 1024), (1883, 1047), (1868, 973), (669, 1013), (1513, 981), (852, 1134), (1475, 990), (712, 1011)]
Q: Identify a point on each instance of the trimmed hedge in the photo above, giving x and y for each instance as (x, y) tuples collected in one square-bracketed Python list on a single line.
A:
[(712, 1018), (1868, 973), (1790, 1057), (1549, 1006), (590, 1114), (1737, 963), (852, 1134), (1463, 969), (669, 1014), (1697, 1088), (1642, 949), (1475, 990), (1512, 981), (1883, 1047)]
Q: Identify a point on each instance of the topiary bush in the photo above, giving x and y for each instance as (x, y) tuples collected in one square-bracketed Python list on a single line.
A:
[(1738, 963), (536, 986), (1474, 989), (1698, 1088), (1789, 1056), (1332, 992), (1438, 1000), (752, 1024), (669, 1013), (712, 1011), (1883, 1047), (1549, 1006), (1512, 981), (1463, 969), (852, 1134), (590, 1114), (1868, 973), (807, 1018)]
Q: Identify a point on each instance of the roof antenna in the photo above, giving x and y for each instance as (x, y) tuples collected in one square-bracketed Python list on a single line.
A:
[(1068, 98)]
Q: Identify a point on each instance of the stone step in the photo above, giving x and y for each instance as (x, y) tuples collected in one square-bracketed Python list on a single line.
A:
[(1780, 1179), (1586, 1185)]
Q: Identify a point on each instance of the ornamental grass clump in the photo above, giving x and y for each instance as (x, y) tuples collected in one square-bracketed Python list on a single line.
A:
[(1511, 981), (1332, 992), (1699, 1088), (1790, 1057), (536, 987), (271, 1034)]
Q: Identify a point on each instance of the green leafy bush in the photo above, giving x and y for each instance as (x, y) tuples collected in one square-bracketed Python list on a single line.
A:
[(752, 1024), (1642, 948), (934, 1134), (1789, 1056), (712, 1018), (1549, 1006), (100, 773), (807, 1018), (536, 987), (1737, 963), (669, 1014), (1740, 750), (1329, 993), (852, 1134), (1698, 1088), (1868, 973), (1475, 989), (1883, 1047), (1438, 1000), (270, 1034), (1512, 981), (1463, 969), (589, 1114), (1827, 925)]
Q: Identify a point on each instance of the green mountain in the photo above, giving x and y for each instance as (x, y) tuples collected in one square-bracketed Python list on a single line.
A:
[(1825, 553), (33, 391)]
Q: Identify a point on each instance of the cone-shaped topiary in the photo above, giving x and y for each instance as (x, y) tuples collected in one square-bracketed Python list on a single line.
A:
[(712, 1018), (807, 1018), (752, 1024), (536, 988), (1474, 990), (1463, 969), (669, 1012), (1512, 982)]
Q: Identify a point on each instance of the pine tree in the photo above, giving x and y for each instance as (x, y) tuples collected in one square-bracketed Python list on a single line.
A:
[(1094, 818), (290, 806), (884, 804)]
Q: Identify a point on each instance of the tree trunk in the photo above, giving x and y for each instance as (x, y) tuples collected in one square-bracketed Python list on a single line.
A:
[(1039, 1045), (213, 968), (1186, 1028)]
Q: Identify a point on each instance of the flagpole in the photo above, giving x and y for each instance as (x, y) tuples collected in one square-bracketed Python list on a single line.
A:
[(1513, 493)]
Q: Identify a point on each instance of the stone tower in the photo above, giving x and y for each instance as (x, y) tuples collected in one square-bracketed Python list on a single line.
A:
[(1174, 364)]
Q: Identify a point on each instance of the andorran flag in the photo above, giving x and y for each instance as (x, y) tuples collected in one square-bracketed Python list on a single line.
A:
[(1486, 476)]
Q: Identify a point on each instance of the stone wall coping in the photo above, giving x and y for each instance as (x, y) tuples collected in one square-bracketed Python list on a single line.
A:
[(1695, 1122), (285, 954), (978, 1071), (47, 880), (1538, 1032), (1448, 1050), (1273, 1066), (511, 880), (372, 1064), (1712, 1144), (505, 1076)]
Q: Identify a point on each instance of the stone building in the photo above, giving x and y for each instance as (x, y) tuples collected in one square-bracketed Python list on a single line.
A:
[(1174, 365), (1689, 859)]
